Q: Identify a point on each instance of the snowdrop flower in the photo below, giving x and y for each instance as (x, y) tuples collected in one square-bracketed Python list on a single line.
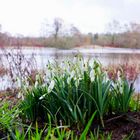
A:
[(114, 85), (42, 97), (68, 80), (119, 74), (3, 112), (62, 65), (92, 75), (51, 86), (68, 69), (105, 78), (119, 81), (75, 59), (85, 66), (36, 84), (121, 89), (22, 97), (33, 94), (119, 77), (18, 82), (37, 77), (77, 83), (72, 74), (19, 95), (91, 63)]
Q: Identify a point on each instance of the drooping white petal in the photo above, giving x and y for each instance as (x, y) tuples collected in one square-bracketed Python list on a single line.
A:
[(19, 95), (42, 97), (105, 78), (36, 83), (37, 77), (92, 75), (68, 80), (72, 74), (51, 86), (121, 89), (91, 63), (77, 83)]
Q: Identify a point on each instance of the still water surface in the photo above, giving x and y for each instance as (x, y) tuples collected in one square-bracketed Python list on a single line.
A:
[(107, 56)]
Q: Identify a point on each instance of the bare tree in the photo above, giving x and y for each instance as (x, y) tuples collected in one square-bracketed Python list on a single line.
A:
[(57, 26), (74, 30), (135, 27)]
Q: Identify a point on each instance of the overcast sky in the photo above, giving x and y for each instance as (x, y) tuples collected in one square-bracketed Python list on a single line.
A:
[(27, 16)]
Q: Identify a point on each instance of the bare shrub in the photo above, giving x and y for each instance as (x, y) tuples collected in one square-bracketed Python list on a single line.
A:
[(130, 71), (19, 67)]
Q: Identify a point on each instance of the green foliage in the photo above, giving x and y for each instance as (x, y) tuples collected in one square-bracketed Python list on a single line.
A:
[(84, 134), (57, 133), (135, 103), (76, 94), (96, 135), (8, 118), (32, 107), (74, 91), (122, 93)]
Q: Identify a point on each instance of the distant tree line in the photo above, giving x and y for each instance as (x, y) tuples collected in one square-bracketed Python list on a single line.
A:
[(58, 35), (126, 36)]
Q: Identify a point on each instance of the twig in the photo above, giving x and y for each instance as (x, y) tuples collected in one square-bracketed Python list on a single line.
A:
[(115, 118), (132, 119)]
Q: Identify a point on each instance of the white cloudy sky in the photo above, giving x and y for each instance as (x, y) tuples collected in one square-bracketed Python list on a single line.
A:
[(27, 16)]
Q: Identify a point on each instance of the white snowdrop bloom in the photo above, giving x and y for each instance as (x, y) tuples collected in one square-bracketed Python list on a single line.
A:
[(68, 70), (105, 78), (44, 84), (62, 65), (75, 78), (81, 64), (37, 77), (80, 78), (36, 83), (63, 83), (22, 97), (19, 82), (51, 86), (92, 75), (77, 83), (85, 66), (119, 80), (19, 95), (78, 74), (121, 89), (32, 94), (91, 63), (118, 74), (114, 85), (68, 80), (72, 74), (42, 97), (75, 59)]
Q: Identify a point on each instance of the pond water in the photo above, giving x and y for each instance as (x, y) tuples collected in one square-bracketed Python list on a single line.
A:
[(107, 56)]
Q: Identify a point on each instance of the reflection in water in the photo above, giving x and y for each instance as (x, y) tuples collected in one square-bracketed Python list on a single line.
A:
[(108, 56)]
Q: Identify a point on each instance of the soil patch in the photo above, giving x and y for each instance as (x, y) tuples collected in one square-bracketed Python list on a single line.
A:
[(124, 126)]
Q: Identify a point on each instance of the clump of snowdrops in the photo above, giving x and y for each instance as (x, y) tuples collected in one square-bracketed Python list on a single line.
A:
[(73, 91)]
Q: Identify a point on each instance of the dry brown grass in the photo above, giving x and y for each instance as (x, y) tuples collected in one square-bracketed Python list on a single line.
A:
[(3, 71)]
